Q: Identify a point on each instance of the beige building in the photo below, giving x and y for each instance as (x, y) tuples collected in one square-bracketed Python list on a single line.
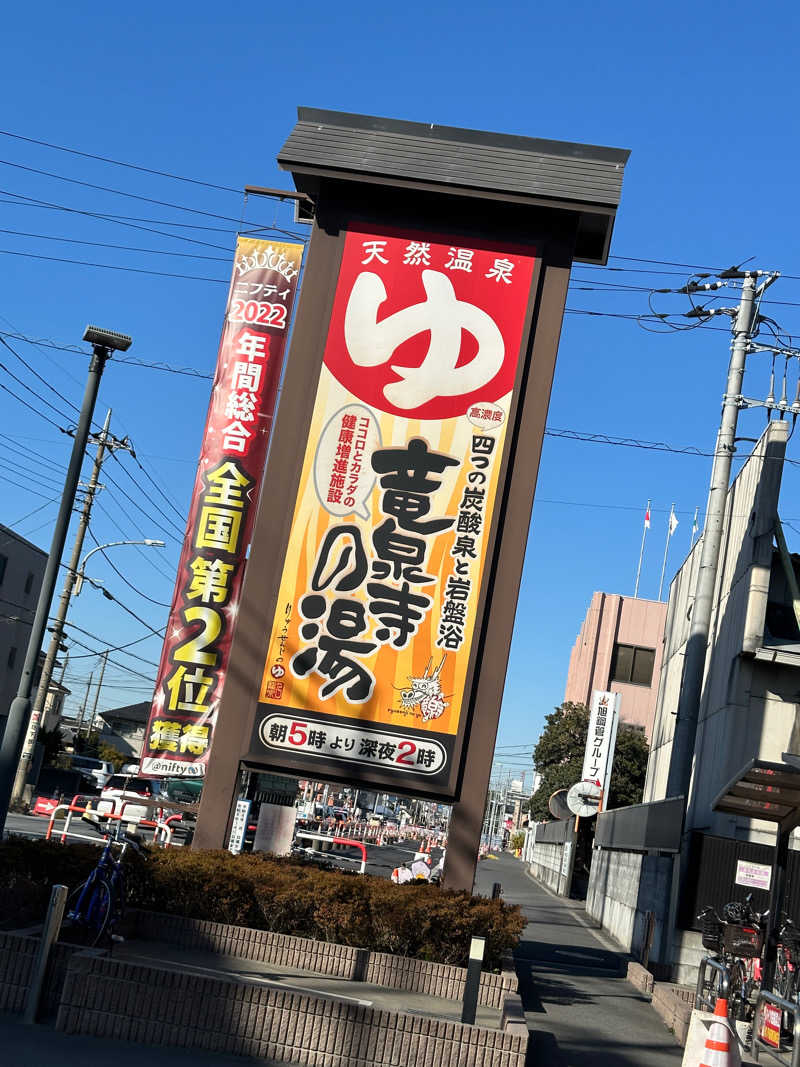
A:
[(619, 650), (751, 689)]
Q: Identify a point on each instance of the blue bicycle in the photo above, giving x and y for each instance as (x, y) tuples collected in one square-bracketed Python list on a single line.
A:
[(96, 907)]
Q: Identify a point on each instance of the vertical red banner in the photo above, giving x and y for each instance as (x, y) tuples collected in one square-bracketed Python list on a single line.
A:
[(194, 658)]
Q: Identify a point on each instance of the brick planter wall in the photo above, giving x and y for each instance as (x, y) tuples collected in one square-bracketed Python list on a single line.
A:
[(340, 961), (17, 957), (130, 1002)]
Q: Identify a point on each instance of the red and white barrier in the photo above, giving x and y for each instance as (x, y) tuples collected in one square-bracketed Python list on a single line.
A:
[(307, 835)]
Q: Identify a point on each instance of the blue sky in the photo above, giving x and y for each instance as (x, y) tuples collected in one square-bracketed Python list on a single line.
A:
[(707, 101)]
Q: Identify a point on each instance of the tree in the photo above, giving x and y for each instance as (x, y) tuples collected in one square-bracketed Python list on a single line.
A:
[(112, 755), (558, 757), (51, 740)]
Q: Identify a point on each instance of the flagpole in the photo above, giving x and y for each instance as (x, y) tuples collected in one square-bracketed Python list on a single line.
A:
[(694, 526), (670, 529), (641, 550)]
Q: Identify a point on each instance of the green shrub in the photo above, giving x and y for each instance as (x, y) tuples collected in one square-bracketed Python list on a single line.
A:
[(287, 896)]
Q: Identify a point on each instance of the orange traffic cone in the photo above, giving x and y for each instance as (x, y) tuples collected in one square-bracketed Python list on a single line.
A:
[(718, 1051)]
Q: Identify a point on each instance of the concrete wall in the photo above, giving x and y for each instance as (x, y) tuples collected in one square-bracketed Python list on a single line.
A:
[(615, 619), (749, 706), (623, 888), (546, 864)]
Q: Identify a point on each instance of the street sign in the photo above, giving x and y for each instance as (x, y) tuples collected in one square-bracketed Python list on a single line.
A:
[(583, 799)]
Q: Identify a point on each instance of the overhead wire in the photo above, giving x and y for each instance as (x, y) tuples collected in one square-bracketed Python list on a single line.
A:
[(39, 377), (118, 572), (119, 192), (115, 247), (146, 556), (118, 162), (146, 495)]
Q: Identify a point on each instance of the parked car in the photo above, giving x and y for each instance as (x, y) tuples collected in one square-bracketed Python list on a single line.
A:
[(100, 770), (118, 797), (57, 785)]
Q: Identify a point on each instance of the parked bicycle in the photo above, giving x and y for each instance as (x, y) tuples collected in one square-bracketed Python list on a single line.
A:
[(737, 940), (787, 962), (95, 909)]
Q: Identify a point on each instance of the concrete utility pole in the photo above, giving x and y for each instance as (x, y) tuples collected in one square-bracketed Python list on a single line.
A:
[(84, 705), (680, 767), (105, 442), (104, 658), (103, 342)]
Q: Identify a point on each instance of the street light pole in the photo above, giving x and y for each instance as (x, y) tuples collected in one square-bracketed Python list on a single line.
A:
[(80, 576), (104, 342)]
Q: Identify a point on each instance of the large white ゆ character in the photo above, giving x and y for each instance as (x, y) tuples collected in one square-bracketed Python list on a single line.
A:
[(371, 343)]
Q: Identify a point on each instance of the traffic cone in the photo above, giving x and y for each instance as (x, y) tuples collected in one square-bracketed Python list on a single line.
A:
[(718, 1050)]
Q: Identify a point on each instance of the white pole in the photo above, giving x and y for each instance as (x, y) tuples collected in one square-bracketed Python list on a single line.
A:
[(666, 550), (641, 550)]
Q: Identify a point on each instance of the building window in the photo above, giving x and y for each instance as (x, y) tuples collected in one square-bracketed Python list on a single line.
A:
[(3, 562), (29, 582), (12, 655), (633, 665)]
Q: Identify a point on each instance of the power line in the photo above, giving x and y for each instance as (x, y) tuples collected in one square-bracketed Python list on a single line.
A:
[(38, 376), (118, 572), (32, 201), (119, 192), (116, 247), (146, 495), (136, 504), (110, 596), (119, 163), (109, 216), (148, 557), (43, 342), (122, 666), (33, 392), (118, 648), (113, 266)]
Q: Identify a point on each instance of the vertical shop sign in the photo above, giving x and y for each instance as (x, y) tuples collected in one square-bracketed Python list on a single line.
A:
[(197, 644), (601, 740), (379, 596)]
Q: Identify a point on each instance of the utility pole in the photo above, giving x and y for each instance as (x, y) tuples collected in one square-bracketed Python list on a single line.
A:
[(82, 713), (103, 342), (680, 767), (104, 658), (105, 442)]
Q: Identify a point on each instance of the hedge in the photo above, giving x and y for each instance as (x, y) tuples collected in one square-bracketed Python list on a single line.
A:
[(287, 896)]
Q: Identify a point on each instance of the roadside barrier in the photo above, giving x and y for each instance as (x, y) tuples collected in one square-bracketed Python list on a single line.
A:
[(160, 826), (307, 835), (768, 1022)]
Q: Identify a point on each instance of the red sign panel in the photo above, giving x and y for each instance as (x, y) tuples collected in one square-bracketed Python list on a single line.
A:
[(368, 664), (206, 597)]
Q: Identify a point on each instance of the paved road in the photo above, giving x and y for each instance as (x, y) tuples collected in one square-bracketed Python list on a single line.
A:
[(577, 1003)]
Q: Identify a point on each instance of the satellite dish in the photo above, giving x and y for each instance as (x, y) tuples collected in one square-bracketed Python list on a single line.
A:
[(583, 799), (558, 805)]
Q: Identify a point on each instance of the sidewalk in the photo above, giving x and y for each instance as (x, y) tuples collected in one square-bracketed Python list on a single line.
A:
[(578, 1005)]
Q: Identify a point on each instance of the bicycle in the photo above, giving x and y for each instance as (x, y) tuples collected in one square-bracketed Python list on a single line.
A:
[(96, 908), (737, 939)]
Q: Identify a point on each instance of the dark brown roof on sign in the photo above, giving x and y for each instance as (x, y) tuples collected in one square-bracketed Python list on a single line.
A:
[(587, 178)]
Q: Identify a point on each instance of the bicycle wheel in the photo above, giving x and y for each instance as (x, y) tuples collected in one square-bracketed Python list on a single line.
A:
[(737, 1000), (98, 913)]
